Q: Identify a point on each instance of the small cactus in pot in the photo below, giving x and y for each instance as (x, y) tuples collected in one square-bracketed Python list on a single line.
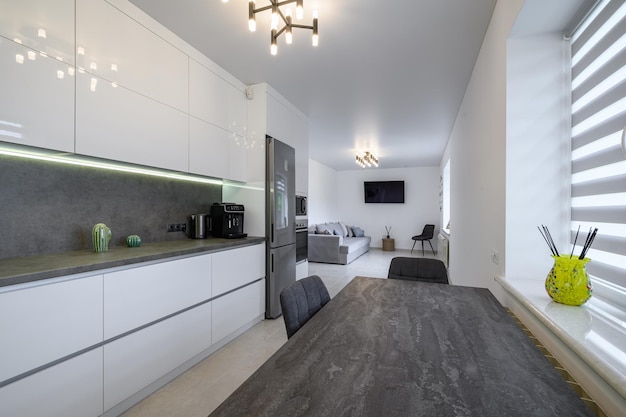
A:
[(133, 241), (100, 236)]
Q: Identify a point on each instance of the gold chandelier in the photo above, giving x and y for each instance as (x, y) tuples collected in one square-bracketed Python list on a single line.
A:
[(367, 160), (287, 20)]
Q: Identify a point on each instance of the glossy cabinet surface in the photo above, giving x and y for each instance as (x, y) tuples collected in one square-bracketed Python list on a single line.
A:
[(113, 122), (300, 130), (37, 103), (41, 25), (127, 327), (160, 289), (279, 120), (234, 268), (234, 310), (46, 322), (113, 46), (208, 149), (135, 361), (216, 101), (69, 389)]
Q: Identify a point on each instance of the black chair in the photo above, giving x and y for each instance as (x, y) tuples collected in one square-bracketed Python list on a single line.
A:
[(302, 300), (418, 269), (427, 234)]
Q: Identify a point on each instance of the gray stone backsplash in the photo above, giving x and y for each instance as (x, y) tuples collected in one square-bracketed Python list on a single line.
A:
[(47, 207)]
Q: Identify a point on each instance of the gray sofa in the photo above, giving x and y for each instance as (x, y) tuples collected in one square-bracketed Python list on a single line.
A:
[(336, 243)]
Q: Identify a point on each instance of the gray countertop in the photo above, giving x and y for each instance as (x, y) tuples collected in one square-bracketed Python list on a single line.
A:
[(403, 348), (33, 268)]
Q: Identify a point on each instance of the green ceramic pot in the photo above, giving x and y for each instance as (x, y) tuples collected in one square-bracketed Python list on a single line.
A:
[(133, 241), (100, 236)]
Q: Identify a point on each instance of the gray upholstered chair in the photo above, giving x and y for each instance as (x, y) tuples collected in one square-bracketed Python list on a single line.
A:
[(302, 300), (418, 269)]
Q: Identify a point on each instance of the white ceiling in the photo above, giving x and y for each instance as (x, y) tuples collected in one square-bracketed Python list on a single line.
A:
[(387, 76)]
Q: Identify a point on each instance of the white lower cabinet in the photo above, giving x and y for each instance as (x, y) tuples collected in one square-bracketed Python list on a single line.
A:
[(135, 361), (137, 296), (142, 324), (70, 389), (237, 267), (43, 323), (237, 309)]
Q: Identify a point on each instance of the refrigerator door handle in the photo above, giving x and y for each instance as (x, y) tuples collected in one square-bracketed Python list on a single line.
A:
[(272, 263)]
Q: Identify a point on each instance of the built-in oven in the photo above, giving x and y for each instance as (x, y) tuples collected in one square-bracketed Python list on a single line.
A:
[(302, 240), (300, 206)]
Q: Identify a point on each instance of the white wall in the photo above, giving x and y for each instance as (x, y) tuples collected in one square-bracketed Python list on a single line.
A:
[(477, 150), (538, 152), (338, 196), (322, 198)]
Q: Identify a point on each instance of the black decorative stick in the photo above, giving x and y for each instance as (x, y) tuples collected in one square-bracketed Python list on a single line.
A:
[(588, 244), (575, 240), (546, 239)]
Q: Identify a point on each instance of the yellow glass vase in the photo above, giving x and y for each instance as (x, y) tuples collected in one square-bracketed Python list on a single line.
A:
[(568, 281)]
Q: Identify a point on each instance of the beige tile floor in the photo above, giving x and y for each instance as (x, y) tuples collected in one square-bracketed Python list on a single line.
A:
[(200, 390)]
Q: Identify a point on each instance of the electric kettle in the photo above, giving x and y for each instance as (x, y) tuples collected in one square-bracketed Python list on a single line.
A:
[(197, 223)]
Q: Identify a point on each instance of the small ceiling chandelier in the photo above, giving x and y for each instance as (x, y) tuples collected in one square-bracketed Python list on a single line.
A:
[(287, 20), (367, 160)]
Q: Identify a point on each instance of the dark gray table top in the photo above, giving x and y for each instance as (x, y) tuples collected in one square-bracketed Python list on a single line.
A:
[(401, 348)]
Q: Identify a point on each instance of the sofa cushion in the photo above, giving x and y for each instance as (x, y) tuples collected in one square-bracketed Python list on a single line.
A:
[(322, 229), (335, 229), (358, 232), (344, 229)]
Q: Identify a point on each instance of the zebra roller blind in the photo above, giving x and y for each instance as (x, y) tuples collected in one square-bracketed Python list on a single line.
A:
[(598, 190)]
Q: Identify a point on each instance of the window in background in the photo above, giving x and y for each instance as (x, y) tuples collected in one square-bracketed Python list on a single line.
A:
[(445, 209), (598, 156)]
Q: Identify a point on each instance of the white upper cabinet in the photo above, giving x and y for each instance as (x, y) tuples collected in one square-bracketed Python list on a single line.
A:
[(42, 25), (113, 46), (216, 101), (208, 149), (300, 130), (115, 123), (279, 120), (37, 104)]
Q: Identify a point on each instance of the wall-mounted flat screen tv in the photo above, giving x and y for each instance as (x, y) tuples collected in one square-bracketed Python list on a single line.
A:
[(384, 191)]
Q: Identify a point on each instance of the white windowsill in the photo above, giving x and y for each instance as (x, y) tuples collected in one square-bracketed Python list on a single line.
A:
[(595, 332)]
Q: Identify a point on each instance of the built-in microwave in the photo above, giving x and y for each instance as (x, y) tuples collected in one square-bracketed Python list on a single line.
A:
[(300, 205)]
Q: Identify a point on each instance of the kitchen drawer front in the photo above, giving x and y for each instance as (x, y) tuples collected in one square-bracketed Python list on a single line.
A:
[(43, 323), (237, 267), (137, 360), (235, 310), (70, 389), (137, 296), (37, 106), (115, 123)]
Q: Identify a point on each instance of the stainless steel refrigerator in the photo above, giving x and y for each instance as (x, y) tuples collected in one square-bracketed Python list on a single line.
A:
[(280, 227)]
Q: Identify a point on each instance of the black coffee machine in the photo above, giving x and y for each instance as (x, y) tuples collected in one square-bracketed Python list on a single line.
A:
[(226, 220)]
